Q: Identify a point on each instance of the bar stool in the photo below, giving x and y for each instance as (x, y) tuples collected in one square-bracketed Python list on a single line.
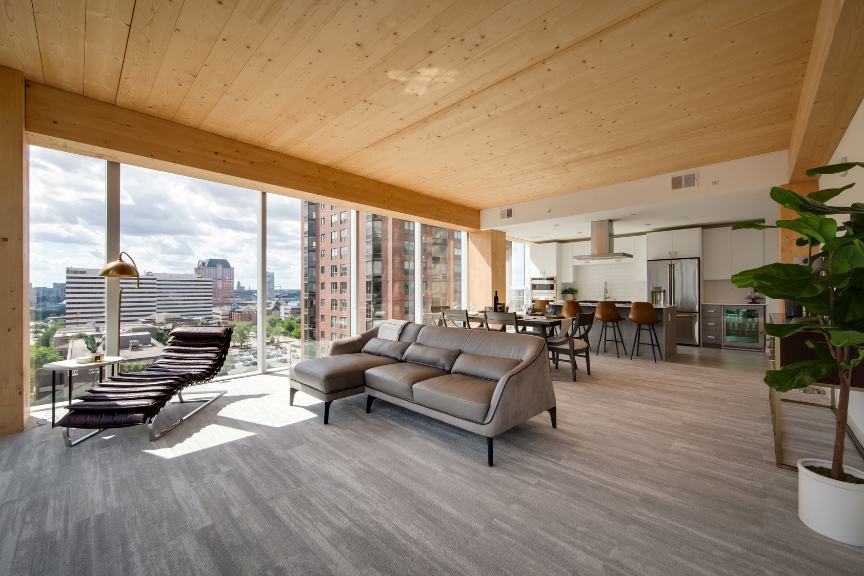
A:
[(644, 316), (607, 313)]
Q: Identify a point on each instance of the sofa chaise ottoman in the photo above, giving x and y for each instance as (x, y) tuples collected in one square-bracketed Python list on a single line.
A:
[(483, 382)]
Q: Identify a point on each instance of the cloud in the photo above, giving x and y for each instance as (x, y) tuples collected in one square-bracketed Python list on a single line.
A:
[(167, 222)]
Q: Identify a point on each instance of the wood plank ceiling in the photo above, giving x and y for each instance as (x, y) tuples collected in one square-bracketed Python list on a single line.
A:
[(480, 102)]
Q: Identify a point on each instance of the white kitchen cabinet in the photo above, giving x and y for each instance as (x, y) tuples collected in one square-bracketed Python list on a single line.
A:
[(685, 243), (640, 260), (544, 260), (659, 245), (580, 249), (565, 263), (747, 250), (717, 253), (624, 245)]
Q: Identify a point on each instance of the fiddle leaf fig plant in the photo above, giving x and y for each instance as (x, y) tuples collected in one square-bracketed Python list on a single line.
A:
[(830, 286)]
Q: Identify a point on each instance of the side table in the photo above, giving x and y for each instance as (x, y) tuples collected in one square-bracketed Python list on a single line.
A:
[(69, 366)]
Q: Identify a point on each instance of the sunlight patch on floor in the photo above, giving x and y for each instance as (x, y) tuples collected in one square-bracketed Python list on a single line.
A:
[(268, 411), (208, 437)]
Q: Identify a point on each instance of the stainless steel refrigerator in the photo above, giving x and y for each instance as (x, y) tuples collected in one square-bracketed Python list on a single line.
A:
[(677, 280)]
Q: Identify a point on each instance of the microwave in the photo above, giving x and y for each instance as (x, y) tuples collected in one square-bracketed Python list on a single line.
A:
[(544, 289)]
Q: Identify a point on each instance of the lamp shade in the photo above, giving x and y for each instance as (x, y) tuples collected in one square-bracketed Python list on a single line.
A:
[(119, 269)]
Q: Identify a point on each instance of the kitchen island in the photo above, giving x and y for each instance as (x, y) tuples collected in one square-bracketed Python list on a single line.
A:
[(666, 331)]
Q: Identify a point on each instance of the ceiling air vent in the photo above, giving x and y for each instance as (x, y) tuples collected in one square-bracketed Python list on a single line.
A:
[(684, 181), (506, 213)]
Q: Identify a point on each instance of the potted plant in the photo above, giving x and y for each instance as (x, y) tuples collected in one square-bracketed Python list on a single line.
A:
[(569, 293), (93, 347), (830, 286)]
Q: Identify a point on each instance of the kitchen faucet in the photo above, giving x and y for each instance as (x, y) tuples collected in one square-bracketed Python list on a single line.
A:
[(605, 291)]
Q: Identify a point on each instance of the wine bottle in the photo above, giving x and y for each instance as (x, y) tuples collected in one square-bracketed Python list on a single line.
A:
[(495, 302)]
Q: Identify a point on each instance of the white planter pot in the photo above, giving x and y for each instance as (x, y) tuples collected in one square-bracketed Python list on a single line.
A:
[(567, 296), (831, 508)]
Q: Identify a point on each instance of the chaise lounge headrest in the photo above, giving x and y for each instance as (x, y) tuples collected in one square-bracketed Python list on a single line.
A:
[(210, 332)]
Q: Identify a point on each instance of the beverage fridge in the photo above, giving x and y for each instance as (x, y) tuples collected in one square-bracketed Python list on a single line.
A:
[(677, 279)]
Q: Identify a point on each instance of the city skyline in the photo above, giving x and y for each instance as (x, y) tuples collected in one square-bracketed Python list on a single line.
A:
[(161, 234)]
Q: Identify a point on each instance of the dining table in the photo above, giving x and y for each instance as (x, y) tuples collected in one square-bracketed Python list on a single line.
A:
[(543, 325)]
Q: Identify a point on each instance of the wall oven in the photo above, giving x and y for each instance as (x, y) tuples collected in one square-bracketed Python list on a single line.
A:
[(743, 326), (544, 289)]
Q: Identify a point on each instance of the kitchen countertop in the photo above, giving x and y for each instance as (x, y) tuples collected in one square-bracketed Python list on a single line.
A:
[(619, 305)]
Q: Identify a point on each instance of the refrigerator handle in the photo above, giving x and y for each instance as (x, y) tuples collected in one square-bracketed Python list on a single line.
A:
[(671, 284)]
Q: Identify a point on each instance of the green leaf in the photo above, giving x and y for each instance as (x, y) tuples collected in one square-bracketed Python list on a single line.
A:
[(783, 330), (846, 258), (751, 226), (745, 279), (820, 228), (809, 286), (848, 305), (854, 361), (833, 168), (839, 241), (828, 193), (799, 374), (802, 204), (821, 348), (847, 338)]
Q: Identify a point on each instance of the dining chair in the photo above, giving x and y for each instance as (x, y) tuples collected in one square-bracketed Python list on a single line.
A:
[(572, 342), (503, 319), (436, 310), (455, 318)]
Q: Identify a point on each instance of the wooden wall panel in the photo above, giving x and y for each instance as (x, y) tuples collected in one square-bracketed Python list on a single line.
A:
[(64, 121), (107, 30), (60, 25), (14, 256), (487, 267), (19, 44)]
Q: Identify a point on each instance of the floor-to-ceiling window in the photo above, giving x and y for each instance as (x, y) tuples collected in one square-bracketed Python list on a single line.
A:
[(194, 242), (284, 275), (518, 279), (442, 271), (389, 267), (67, 244)]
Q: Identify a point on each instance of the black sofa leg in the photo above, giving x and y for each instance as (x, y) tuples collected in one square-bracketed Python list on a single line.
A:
[(327, 411), (291, 396), (489, 449), (369, 400), (552, 415)]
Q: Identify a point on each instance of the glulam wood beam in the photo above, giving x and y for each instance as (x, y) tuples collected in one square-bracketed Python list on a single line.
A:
[(14, 257), (833, 86), (73, 123), (487, 267)]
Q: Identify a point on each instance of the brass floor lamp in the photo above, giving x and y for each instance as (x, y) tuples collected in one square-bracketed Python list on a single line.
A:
[(120, 269)]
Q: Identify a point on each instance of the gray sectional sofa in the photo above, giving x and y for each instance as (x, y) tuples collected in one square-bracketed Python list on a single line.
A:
[(483, 382)]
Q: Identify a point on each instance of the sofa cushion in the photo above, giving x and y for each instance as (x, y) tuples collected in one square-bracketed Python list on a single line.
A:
[(456, 394), (388, 348), (443, 337), (431, 356), (336, 373), (483, 366), (410, 332), (398, 379)]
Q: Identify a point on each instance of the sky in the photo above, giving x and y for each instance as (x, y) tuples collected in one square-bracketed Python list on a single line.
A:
[(167, 222)]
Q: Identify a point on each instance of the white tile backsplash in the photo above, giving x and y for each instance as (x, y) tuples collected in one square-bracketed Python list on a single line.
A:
[(589, 281)]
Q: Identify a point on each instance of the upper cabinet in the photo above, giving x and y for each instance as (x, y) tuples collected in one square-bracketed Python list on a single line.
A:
[(640, 259), (728, 252), (565, 263), (582, 248), (544, 260), (685, 243)]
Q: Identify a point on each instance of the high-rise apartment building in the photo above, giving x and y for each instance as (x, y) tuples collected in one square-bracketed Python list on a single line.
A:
[(271, 285), (222, 274), (400, 263), (184, 295)]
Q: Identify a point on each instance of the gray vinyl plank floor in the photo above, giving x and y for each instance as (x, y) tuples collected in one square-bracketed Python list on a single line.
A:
[(653, 469)]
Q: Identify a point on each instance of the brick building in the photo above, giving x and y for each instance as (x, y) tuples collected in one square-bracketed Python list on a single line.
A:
[(222, 274), (388, 267)]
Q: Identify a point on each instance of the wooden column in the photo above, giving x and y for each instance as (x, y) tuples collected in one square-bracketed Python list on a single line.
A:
[(487, 267), (14, 257)]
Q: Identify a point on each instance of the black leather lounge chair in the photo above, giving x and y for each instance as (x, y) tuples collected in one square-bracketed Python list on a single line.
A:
[(193, 355)]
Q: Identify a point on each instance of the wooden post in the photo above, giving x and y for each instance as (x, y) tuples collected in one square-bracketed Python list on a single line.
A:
[(788, 249), (487, 263), (14, 256)]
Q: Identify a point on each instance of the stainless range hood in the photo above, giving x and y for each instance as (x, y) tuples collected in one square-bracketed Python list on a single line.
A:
[(602, 243)]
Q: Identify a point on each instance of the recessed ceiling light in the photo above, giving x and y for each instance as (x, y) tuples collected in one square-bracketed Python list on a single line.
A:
[(554, 225)]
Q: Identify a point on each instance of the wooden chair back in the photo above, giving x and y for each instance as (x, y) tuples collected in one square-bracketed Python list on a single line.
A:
[(502, 319), (455, 318)]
